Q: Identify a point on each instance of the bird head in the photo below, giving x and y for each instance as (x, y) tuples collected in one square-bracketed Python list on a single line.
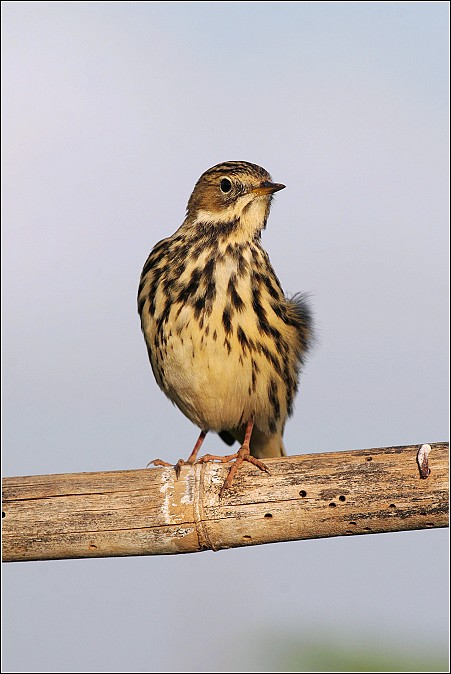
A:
[(234, 193)]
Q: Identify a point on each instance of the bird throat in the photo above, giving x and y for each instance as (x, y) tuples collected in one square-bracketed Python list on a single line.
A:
[(245, 221)]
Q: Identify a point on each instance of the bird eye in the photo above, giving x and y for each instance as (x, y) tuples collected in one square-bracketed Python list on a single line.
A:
[(225, 185)]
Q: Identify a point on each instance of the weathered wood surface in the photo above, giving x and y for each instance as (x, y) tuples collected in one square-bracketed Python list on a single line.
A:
[(150, 512)]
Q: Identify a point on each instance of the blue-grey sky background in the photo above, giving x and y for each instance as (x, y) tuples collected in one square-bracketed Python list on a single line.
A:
[(111, 111)]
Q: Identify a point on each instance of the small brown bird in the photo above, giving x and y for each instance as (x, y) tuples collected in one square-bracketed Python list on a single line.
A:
[(224, 343)]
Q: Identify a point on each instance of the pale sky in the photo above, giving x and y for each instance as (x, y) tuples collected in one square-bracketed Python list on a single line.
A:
[(111, 111)]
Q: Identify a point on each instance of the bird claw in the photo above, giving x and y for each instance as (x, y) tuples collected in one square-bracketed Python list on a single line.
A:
[(243, 454), (159, 462), (177, 466), (257, 463)]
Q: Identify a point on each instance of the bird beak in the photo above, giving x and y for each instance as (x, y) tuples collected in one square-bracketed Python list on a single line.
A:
[(267, 187)]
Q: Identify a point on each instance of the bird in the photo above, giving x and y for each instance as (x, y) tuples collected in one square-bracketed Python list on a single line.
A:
[(225, 343)]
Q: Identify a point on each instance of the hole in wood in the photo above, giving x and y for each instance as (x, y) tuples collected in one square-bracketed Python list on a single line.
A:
[(392, 505), (268, 516), (303, 493), (332, 505), (3, 514), (247, 538), (342, 498), (353, 524), (369, 458)]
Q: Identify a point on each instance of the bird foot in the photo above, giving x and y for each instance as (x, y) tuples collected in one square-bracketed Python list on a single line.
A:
[(243, 454), (177, 466), (181, 462), (158, 462)]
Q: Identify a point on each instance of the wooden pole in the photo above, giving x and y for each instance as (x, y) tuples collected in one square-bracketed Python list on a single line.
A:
[(150, 512)]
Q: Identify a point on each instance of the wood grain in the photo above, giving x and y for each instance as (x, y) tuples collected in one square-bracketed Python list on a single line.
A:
[(150, 512)]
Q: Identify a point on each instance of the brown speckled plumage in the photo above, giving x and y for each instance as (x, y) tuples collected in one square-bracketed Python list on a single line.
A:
[(224, 342)]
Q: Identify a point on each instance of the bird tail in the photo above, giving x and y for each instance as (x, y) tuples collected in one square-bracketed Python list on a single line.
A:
[(264, 447)]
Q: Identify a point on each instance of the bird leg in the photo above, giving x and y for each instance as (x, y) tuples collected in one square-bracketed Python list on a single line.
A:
[(243, 454), (193, 456), (190, 460)]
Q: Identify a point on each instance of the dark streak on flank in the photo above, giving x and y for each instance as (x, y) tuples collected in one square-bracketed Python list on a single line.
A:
[(280, 311), (226, 321), (273, 398), (268, 329), (257, 305), (164, 314), (242, 265), (243, 340), (275, 294), (254, 378), (209, 269), (235, 298), (255, 372), (271, 358), (199, 305)]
